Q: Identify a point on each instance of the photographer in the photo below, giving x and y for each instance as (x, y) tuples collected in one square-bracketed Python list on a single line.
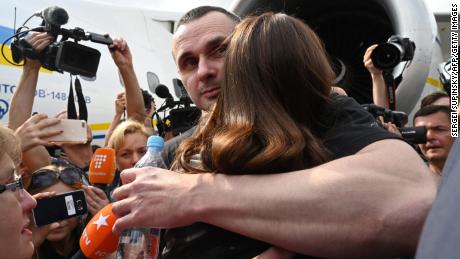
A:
[(436, 119)]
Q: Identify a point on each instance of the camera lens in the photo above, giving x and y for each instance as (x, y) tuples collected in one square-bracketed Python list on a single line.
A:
[(386, 56)]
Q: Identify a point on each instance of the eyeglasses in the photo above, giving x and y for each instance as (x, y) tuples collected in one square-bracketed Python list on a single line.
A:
[(43, 178), (17, 187)]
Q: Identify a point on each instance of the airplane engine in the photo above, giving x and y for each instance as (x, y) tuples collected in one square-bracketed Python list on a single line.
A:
[(349, 27)]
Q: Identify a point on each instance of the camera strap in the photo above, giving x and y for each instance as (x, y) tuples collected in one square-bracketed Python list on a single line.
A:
[(391, 89), (71, 109)]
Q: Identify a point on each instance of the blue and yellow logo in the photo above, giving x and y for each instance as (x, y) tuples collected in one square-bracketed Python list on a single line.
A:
[(5, 33)]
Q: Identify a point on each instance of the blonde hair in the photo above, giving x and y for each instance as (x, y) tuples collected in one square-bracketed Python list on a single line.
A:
[(125, 128), (10, 145)]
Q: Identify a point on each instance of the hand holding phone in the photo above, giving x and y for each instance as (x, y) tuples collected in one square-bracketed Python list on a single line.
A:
[(59, 207), (73, 131)]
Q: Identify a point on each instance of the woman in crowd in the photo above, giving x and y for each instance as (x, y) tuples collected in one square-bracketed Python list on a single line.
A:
[(16, 203), (129, 139), (61, 239), (275, 113)]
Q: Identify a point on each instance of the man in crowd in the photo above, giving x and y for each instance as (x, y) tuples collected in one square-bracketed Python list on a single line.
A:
[(371, 203), (436, 119)]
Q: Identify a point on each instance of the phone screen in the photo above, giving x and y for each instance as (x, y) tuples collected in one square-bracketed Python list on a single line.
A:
[(59, 207)]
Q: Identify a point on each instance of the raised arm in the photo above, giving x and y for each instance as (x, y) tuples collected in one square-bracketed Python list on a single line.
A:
[(120, 104), (23, 99), (366, 205), (379, 92), (124, 61)]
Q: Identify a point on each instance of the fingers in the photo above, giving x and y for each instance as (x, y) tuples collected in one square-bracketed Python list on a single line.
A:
[(121, 192), (40, 40), (118, 44), (124, 219), (100, 194), (129, 175), (121, 95), (42, 195)]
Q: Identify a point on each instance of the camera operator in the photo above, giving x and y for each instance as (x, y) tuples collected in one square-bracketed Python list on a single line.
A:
[(436, 119)]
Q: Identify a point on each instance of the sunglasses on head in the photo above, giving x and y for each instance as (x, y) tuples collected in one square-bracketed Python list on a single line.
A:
[(44, 178)]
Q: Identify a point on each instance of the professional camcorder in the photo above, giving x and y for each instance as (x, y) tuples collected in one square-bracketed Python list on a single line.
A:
[(414, 135), (182, 116), (389, 54), (63, 54)]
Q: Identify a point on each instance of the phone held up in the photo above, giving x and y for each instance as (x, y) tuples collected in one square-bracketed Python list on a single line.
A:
[(59, 207), (73, 131)]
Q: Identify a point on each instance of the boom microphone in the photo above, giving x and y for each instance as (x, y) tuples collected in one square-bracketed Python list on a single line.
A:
[(55, 16), (98, 240), (162, 91), (102, 167)]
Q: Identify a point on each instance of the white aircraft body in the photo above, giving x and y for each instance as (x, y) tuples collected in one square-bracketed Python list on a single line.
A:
[(147, 31), (347, 28)]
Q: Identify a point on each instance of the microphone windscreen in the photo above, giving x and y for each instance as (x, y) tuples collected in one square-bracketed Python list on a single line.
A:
[(98, 240), (55, 15), (162, 91), (102, 167)]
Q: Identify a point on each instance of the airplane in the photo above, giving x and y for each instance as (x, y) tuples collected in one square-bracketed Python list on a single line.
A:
[(347, 28), (147, 31)]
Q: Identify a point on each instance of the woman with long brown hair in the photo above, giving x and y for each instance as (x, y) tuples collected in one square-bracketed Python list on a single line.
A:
[(269, 114), (276, 113)]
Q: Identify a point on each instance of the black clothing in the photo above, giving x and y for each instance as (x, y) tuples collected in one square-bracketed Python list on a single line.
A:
[(170, 147), (352, 129)]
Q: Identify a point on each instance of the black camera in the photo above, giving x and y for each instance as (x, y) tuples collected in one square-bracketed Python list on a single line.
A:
[(414, 135), (185, 116), (62, 55), (389, 54)]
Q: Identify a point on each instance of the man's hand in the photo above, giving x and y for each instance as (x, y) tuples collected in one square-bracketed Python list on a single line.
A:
[(368, 61), (35, 129), (95, 198), (120, 53), (154, 197)]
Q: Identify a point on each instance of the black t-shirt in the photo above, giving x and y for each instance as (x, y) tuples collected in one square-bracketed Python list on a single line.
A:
[(352, 129)]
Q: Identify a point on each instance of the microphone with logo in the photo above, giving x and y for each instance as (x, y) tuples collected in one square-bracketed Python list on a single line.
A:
[(102, 168), (98, 240)]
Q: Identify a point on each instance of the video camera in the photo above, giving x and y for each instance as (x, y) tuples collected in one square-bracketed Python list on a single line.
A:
[(414, 135), (62, 55), (389, 54), (185, 116)]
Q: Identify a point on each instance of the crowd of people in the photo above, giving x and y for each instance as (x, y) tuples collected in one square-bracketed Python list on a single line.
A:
[(282, 163)]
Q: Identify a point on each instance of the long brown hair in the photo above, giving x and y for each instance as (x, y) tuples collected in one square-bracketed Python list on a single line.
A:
[(267, 118)]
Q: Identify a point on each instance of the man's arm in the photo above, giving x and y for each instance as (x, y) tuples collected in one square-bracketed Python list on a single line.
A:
[(366, 205), (124, 61)]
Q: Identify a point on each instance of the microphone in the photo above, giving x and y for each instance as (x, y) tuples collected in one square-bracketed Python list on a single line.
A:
[(162, 91), (102, 167), (55, 16), (98, 240)]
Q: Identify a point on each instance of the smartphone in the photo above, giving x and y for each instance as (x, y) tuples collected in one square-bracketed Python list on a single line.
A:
[(73, 131), (59, 207)]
